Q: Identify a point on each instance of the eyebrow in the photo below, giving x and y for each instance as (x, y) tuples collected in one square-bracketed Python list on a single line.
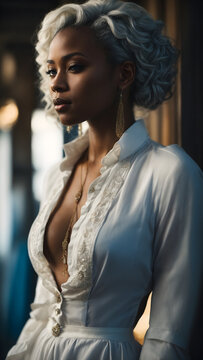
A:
[(67, 57)]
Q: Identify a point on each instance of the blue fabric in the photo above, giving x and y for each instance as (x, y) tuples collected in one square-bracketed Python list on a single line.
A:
[(19, 292)]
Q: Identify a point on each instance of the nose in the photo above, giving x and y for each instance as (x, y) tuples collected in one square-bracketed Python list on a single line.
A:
[(59, 83)]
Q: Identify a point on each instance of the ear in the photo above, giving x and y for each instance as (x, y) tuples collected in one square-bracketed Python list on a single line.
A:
[(127, 74)]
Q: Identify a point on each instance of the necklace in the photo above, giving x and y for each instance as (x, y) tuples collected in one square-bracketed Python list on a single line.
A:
[(73, 219)]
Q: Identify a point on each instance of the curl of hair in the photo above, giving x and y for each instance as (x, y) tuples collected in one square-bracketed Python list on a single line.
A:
[(127, 32)]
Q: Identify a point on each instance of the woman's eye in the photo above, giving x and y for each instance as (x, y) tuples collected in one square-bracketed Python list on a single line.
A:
[(51, 72), (76, 68)]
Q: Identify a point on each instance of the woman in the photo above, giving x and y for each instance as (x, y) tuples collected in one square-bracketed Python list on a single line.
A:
[(121, 214)]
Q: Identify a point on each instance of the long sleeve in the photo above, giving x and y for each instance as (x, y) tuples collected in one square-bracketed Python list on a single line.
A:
[(36, 322), (177, 263), (38, 314)]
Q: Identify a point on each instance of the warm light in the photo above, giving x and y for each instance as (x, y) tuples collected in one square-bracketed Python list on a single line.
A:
[(47, 145), (8, 115), (8, 68), (143, 323)]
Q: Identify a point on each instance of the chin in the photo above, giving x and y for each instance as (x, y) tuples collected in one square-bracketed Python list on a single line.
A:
[(67, 120)]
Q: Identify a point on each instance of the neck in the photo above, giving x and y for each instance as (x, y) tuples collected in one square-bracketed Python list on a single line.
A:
[(102, 136), (101, 142)]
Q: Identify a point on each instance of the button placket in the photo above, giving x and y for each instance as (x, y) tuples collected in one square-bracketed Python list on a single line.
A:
[(57, 308), (56, 329)]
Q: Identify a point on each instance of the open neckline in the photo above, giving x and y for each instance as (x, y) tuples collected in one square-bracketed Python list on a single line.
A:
[(52, 209)]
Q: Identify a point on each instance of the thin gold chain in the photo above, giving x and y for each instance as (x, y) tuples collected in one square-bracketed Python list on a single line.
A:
[(73, 219)]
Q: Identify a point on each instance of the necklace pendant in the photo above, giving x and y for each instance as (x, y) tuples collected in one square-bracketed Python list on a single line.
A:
[(64, 245), (78, 196)]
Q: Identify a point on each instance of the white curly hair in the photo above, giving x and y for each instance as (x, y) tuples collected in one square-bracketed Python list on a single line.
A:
[(127, 32)]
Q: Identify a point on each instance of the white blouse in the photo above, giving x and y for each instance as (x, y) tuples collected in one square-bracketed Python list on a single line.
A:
[(140, 230)]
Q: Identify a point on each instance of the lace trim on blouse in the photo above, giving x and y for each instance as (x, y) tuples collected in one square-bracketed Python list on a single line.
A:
[(115, 167), (84, 233)]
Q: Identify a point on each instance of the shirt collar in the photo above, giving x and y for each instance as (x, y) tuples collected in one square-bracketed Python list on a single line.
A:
[(133, 139), (130, 142), (73, 150)]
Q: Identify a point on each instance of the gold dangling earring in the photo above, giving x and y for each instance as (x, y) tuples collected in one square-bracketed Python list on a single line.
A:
[(120, 117), (68, 128), (80, 129)]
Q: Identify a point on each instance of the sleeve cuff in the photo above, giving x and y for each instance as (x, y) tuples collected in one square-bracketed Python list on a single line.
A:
[(167, 335)]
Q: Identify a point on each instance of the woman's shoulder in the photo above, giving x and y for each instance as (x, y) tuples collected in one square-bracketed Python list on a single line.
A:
[(172, 160), (168, 170)]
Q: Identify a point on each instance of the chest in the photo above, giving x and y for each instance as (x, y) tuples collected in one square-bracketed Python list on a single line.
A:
[(63, 217), (114, 229)]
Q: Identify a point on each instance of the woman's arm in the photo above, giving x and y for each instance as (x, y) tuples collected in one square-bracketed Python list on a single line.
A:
[(177, 272), (33, 326), (39, 313)]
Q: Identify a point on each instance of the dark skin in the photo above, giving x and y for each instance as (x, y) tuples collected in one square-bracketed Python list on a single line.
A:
[(81, 74)]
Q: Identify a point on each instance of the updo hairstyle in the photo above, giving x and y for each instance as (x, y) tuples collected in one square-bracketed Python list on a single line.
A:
[(127, 32)]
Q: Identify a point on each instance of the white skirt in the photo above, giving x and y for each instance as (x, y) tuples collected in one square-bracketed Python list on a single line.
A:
[(82, 343)]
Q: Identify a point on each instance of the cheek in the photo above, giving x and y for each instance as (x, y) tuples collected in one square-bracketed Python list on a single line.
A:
[(95, 89)]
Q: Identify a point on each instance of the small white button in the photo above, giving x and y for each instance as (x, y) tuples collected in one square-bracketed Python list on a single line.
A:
[(57, 311)]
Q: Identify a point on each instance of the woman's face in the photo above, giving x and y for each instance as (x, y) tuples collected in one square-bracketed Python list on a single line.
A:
[(83, 84)]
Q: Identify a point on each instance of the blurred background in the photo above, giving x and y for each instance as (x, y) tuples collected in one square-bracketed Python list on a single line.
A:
[(30, 142)]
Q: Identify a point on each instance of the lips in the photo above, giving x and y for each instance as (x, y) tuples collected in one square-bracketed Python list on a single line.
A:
[(61, 104), (60, 101)]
